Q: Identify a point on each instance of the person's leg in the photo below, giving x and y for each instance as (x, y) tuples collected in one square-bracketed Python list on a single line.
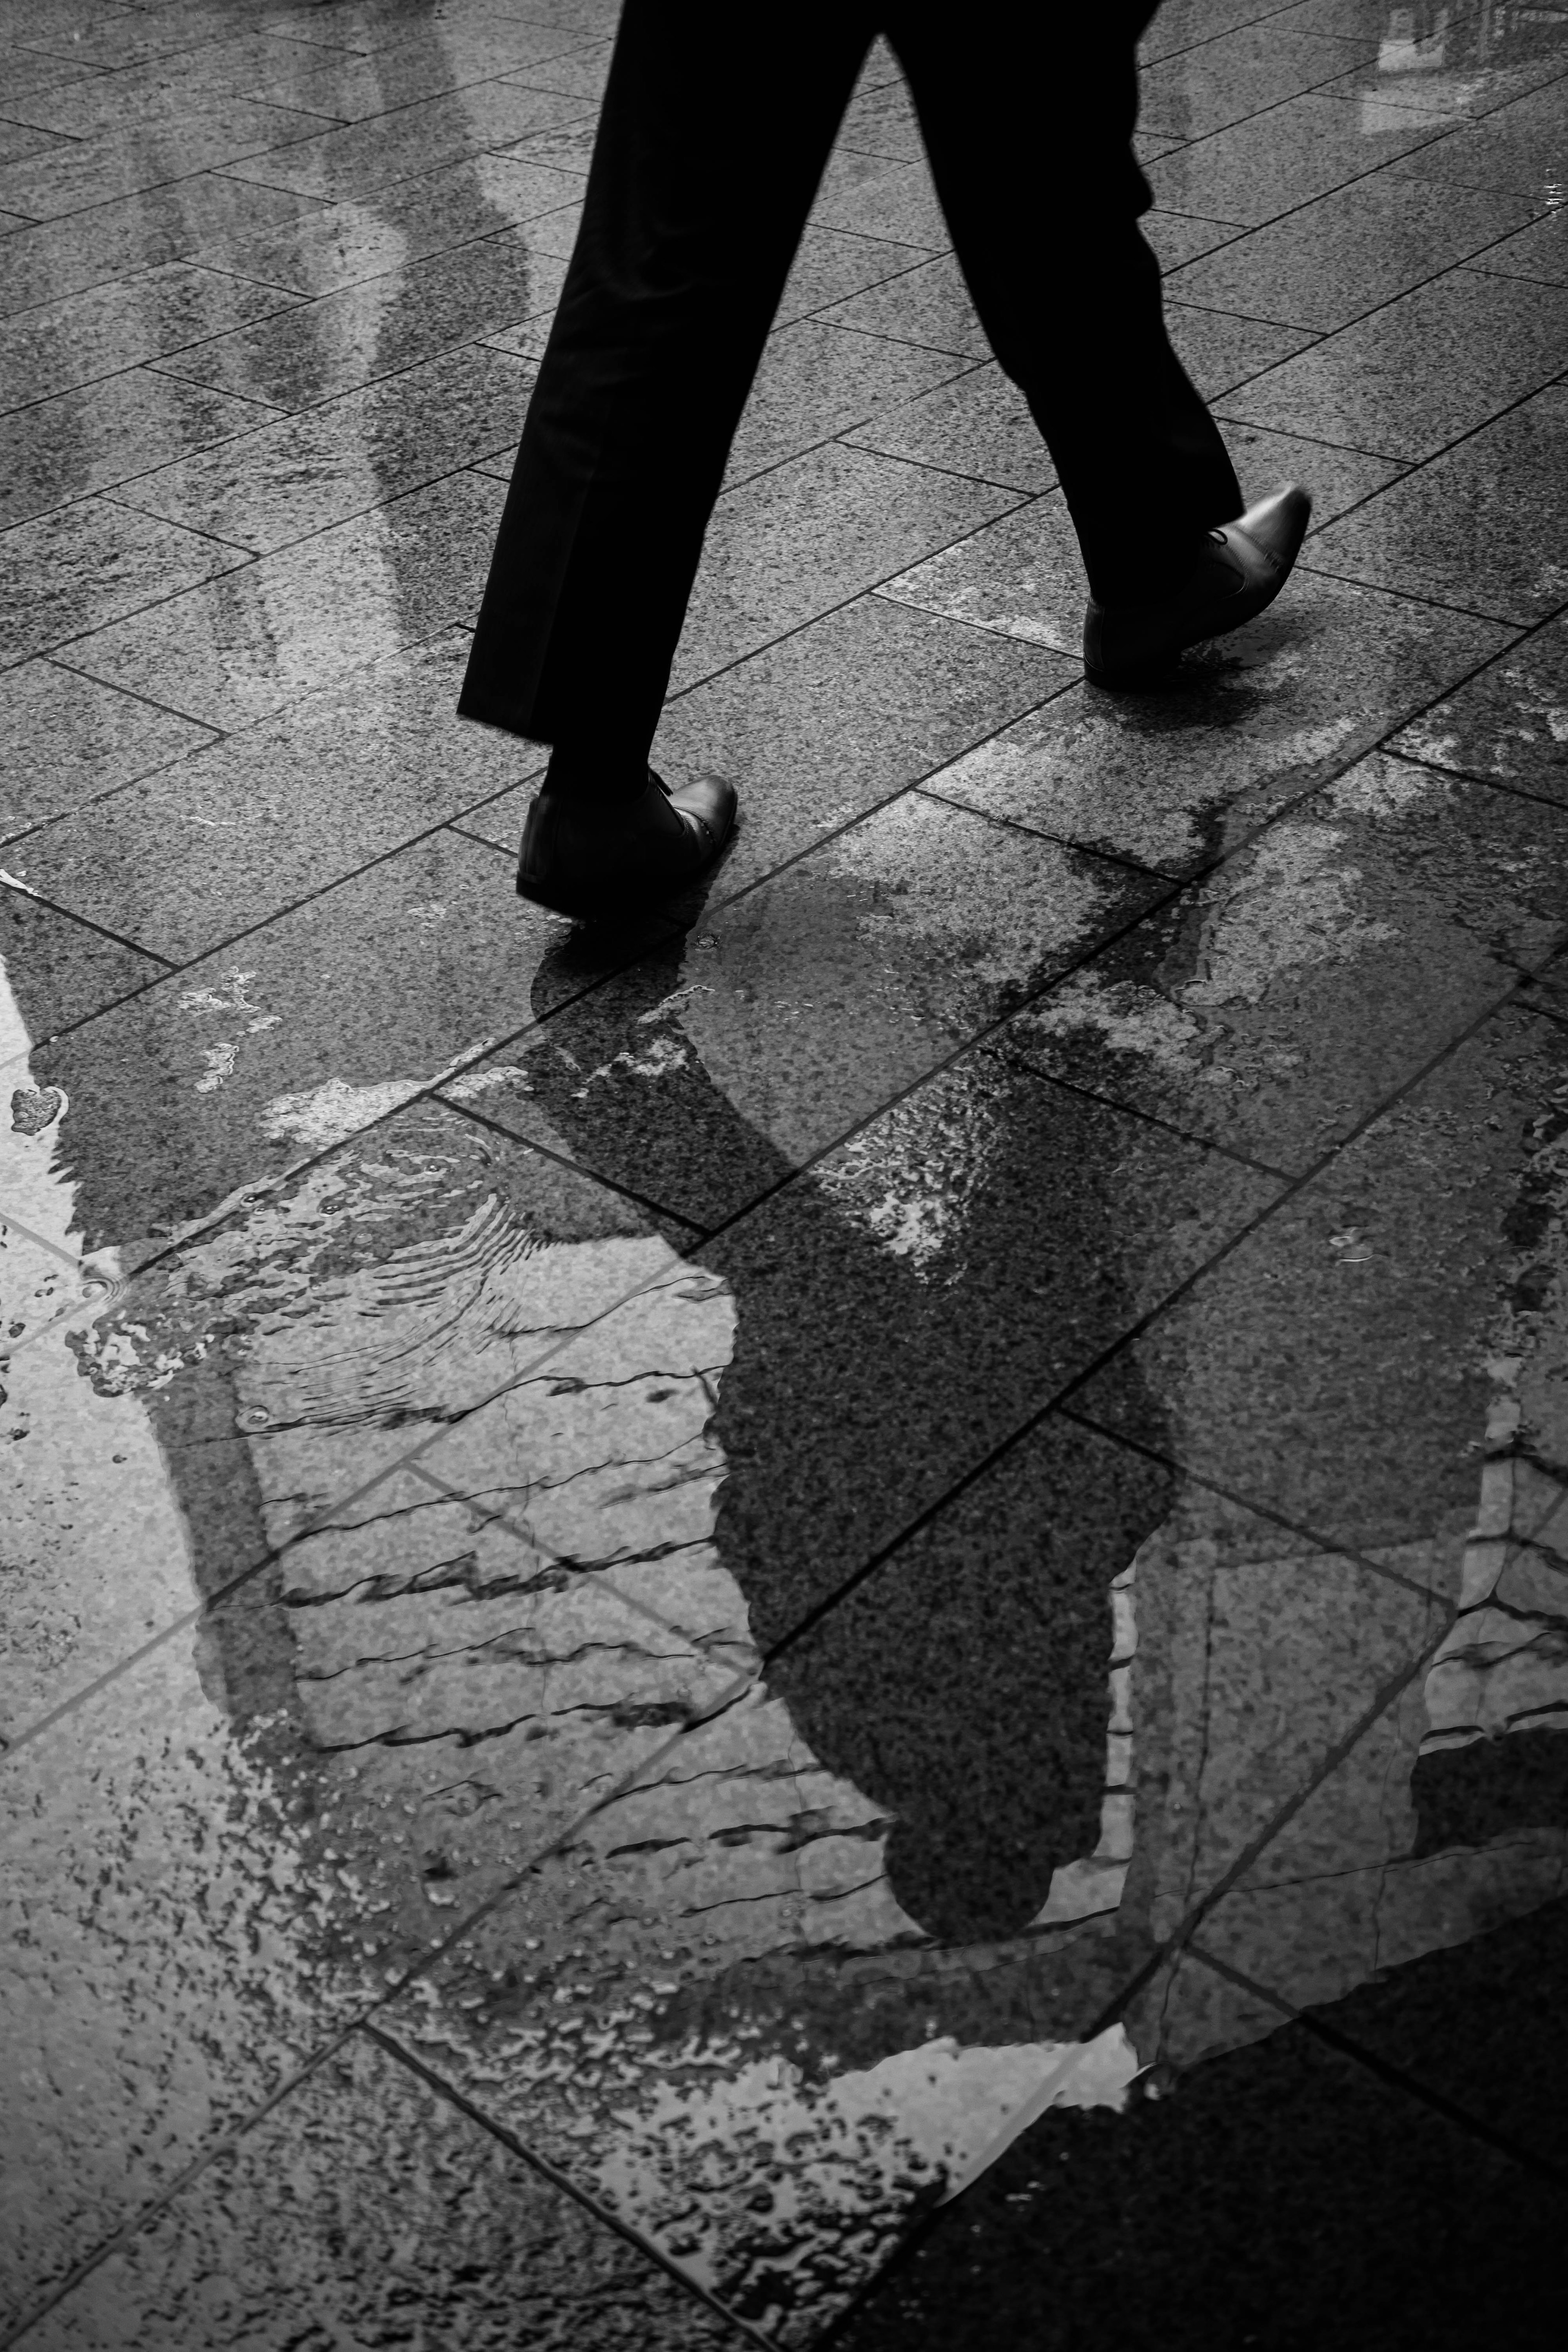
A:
[(1028, 114), (717, 123)]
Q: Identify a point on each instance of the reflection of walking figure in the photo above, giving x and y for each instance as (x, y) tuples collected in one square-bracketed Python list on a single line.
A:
[(717, 123)]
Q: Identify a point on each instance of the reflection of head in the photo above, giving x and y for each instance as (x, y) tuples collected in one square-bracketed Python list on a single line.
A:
[(963, 1688)]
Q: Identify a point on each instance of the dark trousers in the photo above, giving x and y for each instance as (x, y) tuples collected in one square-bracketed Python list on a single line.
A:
[(718, 120)]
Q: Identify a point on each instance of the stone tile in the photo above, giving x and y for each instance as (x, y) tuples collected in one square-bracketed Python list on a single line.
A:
[(65, 971), (97, 436), (231, 1831), (881, 120), (1240, 1013), (20, 140), (1522, 147), (1479, 527), (569, 147), (94, 170), (713, 1067), (266, 1053), (1184, 24), (355, 160), (831, 721), (929, 304), (165, 88), (1368, 385), (1220, 349), (1338, 479), (28, 72), (813, 532), (243, 649), (1219, 82), (90, 563), (1256, 169), (831, 267), (207, 217), (816, 381), (1469, 92), (67, 739), (1021, 574), (874, 195), (375, 328), (61, 344), (306, 472), (331, 246), (1508, 722), (431, 61), (280, 810), (578, 73), (1334, 1366), (1369, 2205), (1349, 252), (1539, 251), (979, 424), (1506, 2068), (1178, 237), (366, 2203)]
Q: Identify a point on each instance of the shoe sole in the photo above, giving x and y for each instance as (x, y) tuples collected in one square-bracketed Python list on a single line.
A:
[(608, 905)]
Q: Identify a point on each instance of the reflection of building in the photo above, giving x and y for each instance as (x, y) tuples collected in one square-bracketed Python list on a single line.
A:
[(1430, 56)]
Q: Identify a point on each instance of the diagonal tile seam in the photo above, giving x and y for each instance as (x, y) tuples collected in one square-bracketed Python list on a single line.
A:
[(1517, 2152), (247, 1195), (430, 1958), (1470, 260), (561, 2181), (305, 300), (316, 127), (1082, 1087)]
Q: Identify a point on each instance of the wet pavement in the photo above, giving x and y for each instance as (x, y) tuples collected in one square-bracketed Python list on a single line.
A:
[(843, 1620)]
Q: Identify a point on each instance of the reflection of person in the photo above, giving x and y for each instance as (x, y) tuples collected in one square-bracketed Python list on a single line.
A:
[(715, 129)]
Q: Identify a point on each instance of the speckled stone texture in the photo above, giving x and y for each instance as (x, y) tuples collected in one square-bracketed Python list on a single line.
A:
[(839, 1617)]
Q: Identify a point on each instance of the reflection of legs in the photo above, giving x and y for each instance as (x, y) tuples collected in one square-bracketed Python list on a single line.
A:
[(715, 133), (1030, 140)]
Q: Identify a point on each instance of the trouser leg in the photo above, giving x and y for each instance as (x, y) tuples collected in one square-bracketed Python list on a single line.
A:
[(1028, 114), (716, 125)]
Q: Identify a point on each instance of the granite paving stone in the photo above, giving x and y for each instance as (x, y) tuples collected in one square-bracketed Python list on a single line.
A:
[(367, 2197), (1248, 726), (1239, 1013), (20, 140), (1479, 527), (67, 739), (356, 159), (30, 71), (823, 726), (278, 811), (253, 1737), (165, 88), (978, 424), (1349, 252), (1206, 88), (1255, 171), (815, 532), (1337, 479), (569, 147), (81, 566), (306, 471), (578, 72), (1522, 147), (73, 971), (926, 304), (1372, 2207), (1508, 723), (1357, 1325), (243, 649), (1539, 251), (875, 195), (431, 61), (101, 435), (831, 267), (1366, 385), (881, 120), (327, 248), (1184, 24), (57, 345), (1178, 237), (784, 1019), (207, 217), (92, 171), (816, 381), (375, 327)]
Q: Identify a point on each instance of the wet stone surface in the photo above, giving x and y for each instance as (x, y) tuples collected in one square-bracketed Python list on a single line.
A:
[(667, 1587)]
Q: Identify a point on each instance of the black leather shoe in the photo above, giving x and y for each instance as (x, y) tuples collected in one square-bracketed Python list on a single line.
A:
[(591, 858), (1242, 569)]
